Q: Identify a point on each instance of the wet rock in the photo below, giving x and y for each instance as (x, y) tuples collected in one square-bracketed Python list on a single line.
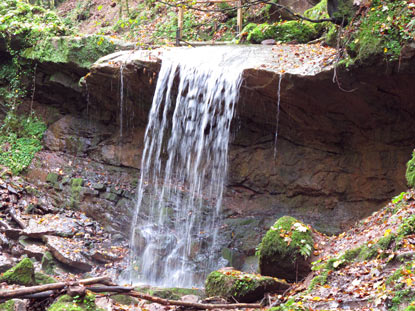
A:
[(33, 249), (286, 250), (68, 252), (48, 263), (22, 274), (51, 225), (244, 287), (6, 262), (104, 256), (190, 298)]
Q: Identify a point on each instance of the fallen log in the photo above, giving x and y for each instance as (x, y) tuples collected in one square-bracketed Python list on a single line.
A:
[(17, 293)]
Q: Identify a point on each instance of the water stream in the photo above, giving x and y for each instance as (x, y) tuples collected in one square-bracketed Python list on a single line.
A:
[(183, 168)]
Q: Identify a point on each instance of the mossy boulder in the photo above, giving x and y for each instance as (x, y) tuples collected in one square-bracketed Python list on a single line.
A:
[(286, 249), (42, 278), (410, 171), (286, 31), (48, 263), (67, 303), (244, 287), (22, 274), (173, 293)]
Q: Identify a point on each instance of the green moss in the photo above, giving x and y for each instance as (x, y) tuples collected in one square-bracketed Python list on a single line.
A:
[(83, 51), (288, 238), (67, 303), (244, 287), (410, 171), (286, 31), (41, 279), (407, 227), (124, 300), (379, 33), (23, 274), (48, 263), (7, 306), (174, 293)]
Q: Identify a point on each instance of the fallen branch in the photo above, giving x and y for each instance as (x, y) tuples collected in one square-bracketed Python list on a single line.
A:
[(16, 219), (4, 225), (17, 293)]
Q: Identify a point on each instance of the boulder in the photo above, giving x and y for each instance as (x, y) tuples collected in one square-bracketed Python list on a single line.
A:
[(244, 287), (22, 274), (51, 224), (286, 249), (6, 262), (68, 252)]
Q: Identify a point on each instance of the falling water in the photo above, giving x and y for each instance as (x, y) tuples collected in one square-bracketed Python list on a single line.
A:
[(183, 168), (33, 89), (278, 115), (121, 96)]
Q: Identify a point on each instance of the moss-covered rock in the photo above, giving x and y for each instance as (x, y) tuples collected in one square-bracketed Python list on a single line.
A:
[(285, 31), (82, 51), (7, 306), (42, 278), (23, 274), (174, 293), (410, 171), (48, 263), (286, 249), (67, 303), (244, 287)]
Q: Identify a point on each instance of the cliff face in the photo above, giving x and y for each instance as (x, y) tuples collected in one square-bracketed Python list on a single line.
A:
[(341, 148)]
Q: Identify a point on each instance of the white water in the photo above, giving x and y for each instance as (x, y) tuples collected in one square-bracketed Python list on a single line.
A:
[(121, 96), (278, 115), (184, 166)]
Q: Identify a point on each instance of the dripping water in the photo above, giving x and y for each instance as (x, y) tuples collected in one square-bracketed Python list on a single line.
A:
[(121, 97), (174, 236), (33, 90), (278, 115)]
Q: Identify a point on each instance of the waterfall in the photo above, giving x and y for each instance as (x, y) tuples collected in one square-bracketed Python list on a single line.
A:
[(121, 96), (174, 236), (278, 115)]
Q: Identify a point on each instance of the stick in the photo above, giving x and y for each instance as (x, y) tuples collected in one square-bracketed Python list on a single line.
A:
[(9, 294), (192, 304), (12, 213), (4, 225), (112, 289)]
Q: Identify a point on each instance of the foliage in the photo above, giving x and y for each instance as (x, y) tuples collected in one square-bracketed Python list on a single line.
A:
[(382, 29), (410, 171), (20, 139)]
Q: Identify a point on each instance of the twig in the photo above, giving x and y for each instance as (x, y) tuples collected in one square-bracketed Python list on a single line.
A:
[(17, 220), (4, 224)]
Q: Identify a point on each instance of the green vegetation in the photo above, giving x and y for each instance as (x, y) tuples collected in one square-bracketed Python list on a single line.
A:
[(381, 29), (410, 171), (20, 139), (22, 274), (83, 51), (67, 303), (41, 278), (7, 306)]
